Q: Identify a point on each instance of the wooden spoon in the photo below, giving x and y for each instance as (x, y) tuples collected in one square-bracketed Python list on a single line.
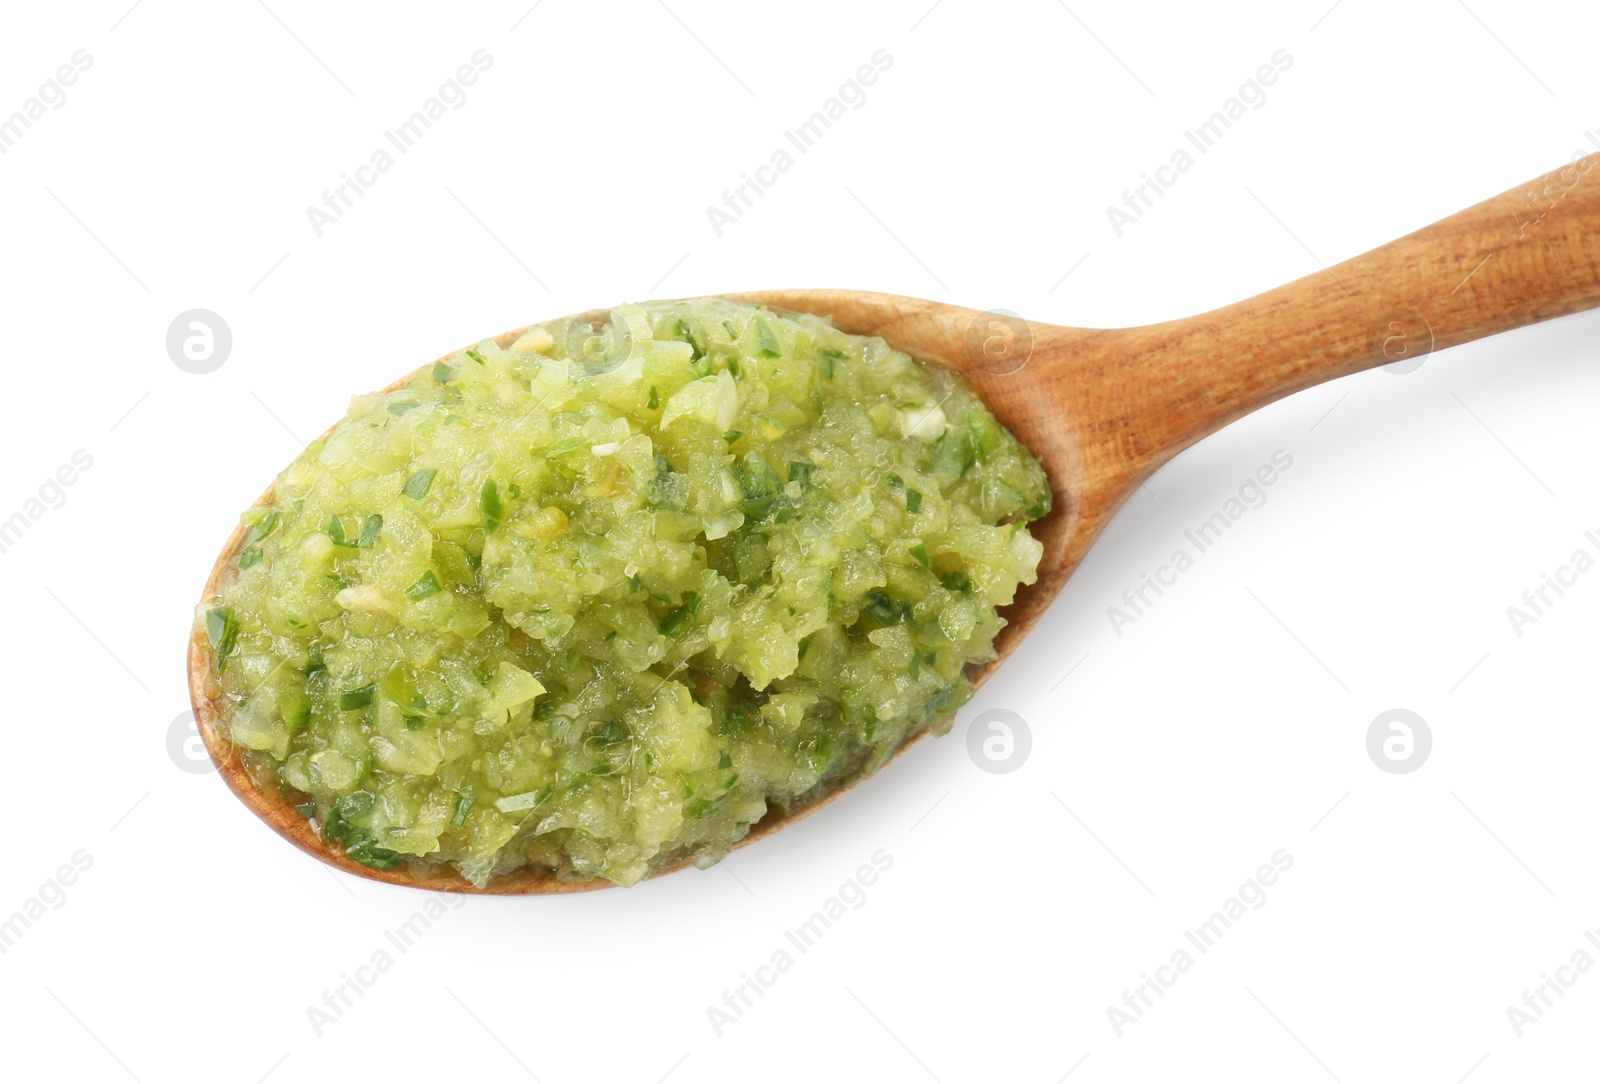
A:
[(1102, 409)]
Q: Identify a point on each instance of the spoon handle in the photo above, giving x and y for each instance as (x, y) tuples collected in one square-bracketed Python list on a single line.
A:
[(1527, 255)]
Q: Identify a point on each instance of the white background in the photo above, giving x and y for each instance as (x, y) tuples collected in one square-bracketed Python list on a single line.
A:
[(1172, 761)]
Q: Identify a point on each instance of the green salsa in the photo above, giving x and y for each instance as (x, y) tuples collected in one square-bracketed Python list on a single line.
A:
[(598, 602)]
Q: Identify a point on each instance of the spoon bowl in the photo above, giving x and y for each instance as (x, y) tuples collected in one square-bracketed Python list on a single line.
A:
[(1103, 409)]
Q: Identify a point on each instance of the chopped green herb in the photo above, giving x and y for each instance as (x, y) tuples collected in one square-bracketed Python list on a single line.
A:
[(261, 529), (881, 608), (675, 620), (370, 530), (474, 355), (489, 504), (295, 707), (418, 484), (689, 337), (824, 753), (761, 487), (351, 807), (732, 436), (986, 435), (953, 454), (426, 587), (400, 687), (769, 341), (913, 501), (368, 853), (357, 698), (655, 399), (920, 552), (222, 630), (802, 472)]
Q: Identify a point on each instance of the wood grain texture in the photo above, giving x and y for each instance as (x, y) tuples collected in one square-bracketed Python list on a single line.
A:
[(1102, 409)]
